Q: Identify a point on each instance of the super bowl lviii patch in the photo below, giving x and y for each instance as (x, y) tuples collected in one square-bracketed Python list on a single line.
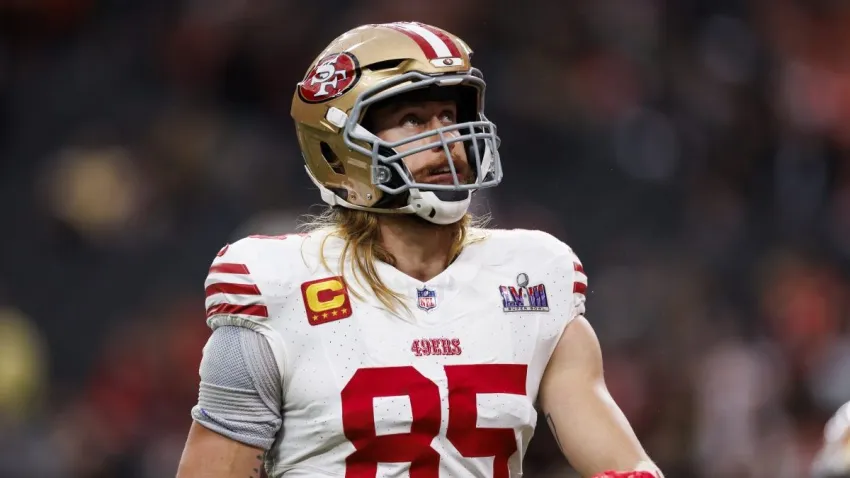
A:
[(523, 297)]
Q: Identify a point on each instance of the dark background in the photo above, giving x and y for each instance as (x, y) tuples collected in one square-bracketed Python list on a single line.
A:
[(695, 153)]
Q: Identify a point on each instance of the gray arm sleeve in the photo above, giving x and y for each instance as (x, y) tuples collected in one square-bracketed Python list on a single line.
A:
[(240, 391)]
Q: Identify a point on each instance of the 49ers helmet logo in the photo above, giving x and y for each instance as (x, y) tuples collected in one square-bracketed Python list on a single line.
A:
[(332, 76)]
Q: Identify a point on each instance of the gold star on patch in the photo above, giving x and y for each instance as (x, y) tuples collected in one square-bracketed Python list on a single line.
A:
[(344, 310), (334, 313), (315, 317), (325, 315)]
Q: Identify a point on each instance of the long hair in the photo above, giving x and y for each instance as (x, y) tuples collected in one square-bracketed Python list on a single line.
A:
[(361, 234)]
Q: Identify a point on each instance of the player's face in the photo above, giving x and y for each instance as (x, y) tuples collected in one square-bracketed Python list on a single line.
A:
[(402, 120)]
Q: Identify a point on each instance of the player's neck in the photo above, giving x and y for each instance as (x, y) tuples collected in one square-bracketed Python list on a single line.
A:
[(421, 249)]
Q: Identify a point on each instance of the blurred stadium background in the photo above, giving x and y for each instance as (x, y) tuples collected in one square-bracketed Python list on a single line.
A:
[(695, 153)]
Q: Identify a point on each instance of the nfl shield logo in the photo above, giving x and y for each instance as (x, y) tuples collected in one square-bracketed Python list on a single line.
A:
[(426, 298)]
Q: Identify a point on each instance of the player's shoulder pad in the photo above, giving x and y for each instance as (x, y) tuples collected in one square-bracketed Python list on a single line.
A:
[(528, 241), (529, 246), (259, 251), (261, 245), (243, 275)]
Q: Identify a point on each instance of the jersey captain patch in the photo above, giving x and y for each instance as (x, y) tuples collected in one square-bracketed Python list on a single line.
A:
[(326, 300)]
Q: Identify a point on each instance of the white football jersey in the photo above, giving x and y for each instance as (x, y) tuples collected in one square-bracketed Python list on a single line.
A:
[(444, 390)]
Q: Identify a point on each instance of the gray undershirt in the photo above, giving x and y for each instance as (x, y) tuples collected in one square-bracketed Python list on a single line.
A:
[(240, 391)]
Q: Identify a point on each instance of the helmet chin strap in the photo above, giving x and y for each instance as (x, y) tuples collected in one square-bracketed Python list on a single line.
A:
[(428, 206), (424, 204)]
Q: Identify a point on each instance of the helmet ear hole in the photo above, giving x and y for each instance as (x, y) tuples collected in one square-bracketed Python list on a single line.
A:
[(331, 158)]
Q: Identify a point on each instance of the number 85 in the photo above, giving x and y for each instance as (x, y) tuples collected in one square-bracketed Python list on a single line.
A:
[(414, 447)]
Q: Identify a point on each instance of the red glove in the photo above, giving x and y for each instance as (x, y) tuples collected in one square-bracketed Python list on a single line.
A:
[(625, 474)]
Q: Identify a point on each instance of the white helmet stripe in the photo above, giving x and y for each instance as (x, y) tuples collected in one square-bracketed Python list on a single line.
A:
[(438, 45)]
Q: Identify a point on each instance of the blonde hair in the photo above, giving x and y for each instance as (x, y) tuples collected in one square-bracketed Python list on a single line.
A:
[(361, 233)]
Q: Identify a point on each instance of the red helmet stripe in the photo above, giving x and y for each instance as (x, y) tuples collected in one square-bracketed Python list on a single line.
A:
[(453, 49), (421, 41), (434, 43)]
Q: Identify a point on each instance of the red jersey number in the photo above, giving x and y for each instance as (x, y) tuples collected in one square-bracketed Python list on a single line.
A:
[(464, 382)]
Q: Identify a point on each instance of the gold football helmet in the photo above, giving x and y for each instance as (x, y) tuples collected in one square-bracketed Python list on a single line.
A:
[(373, 63)]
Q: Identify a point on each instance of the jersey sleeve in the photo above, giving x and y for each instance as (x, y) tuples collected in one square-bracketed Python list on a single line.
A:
[(239, 292), (233, 292), (570, 289), (576, 281), (568, 271), (565, 284)]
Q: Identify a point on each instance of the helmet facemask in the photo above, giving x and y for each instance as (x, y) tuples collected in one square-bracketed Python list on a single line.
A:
[(438, 203)]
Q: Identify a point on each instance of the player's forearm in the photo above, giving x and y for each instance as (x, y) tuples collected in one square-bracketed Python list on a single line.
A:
[(593, 432), (596, 440), (590, 428), (210, 455)]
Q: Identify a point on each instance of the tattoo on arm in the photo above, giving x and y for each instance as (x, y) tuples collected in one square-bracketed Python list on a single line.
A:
[(257, 471), (554, 431)]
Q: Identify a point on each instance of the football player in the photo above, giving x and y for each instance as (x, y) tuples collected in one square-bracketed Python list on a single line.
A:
[(394, 337)]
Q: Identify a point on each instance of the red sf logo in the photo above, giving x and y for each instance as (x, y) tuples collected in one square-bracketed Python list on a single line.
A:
[(332, 76)]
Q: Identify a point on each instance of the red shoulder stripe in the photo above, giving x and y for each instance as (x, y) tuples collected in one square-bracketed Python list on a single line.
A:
[(229, 268), (255, 310), (228, 288)]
